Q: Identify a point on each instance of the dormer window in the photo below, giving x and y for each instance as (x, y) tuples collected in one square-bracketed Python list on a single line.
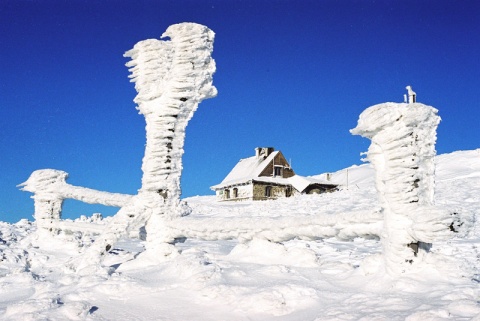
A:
[(278, 171)]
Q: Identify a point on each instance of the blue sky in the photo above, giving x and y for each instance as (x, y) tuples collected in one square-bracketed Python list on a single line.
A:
[(294, 75)]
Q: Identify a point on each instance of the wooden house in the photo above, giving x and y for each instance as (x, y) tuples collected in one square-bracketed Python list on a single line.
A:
[(267, 175)]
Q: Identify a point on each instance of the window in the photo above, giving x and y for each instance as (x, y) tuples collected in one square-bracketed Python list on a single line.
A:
[(278, 171), (227, 194), (288, 191), (268, 191), (235, 192)]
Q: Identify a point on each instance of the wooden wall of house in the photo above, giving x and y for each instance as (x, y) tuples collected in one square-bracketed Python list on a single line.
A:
[(278, 160)]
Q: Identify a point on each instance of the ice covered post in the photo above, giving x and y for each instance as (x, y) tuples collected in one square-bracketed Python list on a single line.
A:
[(402, 153), (50, 189), (412, 96), (47, 201), (172, 77)]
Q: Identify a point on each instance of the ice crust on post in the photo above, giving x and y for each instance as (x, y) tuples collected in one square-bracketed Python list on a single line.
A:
[(171, 77), (402, 153)]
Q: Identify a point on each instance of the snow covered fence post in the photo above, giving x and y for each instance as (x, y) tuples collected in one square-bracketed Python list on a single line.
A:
[(402, 153), (171, 77), (47, 201), (50, 189)]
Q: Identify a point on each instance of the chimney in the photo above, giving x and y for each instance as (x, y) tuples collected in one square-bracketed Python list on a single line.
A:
[(263, 151), (268, 151)]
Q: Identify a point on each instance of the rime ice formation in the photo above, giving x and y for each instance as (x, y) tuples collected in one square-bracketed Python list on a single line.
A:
[(402, 153), (50, 189), (171, 78)]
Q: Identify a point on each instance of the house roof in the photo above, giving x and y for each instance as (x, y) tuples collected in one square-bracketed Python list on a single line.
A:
[(300, 183), (246, 170), (249, 169)]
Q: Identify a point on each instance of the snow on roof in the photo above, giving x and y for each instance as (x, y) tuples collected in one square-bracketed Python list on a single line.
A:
[(246, 170), (300, 183)]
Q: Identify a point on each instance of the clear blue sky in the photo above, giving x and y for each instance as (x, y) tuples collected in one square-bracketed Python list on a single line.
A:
[(294, 75)]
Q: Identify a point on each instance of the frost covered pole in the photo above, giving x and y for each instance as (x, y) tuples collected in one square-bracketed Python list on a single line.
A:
[(412, 96), (171, 77), (402, 153)]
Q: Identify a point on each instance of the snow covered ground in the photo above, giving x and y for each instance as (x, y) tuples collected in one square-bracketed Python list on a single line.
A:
[(300, 279)]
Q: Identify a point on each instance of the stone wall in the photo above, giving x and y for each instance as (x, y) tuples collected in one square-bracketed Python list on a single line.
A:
[(243, 192), (277, 191)]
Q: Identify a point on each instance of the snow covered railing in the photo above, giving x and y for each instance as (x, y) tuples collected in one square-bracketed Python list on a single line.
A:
[(69, 226), (50, 188), (346, 226)]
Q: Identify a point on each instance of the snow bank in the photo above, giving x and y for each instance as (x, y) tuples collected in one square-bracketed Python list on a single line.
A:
[(402, 153)]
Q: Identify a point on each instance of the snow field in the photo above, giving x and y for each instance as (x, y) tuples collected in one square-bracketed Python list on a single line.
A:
[(321, 279)]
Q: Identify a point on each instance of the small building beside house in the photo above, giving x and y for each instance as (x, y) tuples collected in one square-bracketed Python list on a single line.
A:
[(267, 175)]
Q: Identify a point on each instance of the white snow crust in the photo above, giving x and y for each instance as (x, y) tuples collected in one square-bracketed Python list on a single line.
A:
[(255, 278)]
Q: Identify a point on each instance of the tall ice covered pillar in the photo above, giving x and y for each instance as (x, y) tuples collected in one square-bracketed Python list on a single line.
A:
[(171, 77), (402, 153)]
